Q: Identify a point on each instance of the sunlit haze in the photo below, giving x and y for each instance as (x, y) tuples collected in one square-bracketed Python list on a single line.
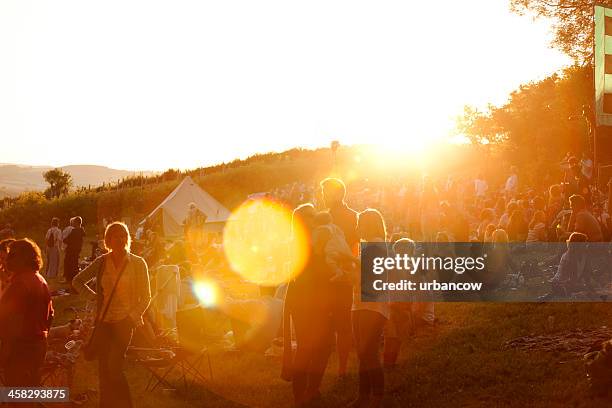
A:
[(154, 85)]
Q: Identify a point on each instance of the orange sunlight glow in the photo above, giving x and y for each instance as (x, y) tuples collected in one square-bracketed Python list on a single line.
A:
[(412, 150), (207, 293), (257, 240), (378, 158)]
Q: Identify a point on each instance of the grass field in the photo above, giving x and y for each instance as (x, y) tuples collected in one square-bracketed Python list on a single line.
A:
[(461, 362)]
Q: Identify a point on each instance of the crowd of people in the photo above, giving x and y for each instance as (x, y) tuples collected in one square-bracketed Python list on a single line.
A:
[(464, 209), (571, 211)]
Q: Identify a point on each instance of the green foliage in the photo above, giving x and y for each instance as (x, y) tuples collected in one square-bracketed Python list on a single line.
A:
[(541, 121), (572, 23), (59, 183)]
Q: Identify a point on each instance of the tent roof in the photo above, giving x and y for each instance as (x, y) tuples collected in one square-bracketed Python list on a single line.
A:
[(176, 205)]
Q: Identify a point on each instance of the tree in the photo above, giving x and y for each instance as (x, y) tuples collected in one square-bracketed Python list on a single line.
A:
[(572, 23), (170, 174), (480, 127), (541, 121), (59, 183)]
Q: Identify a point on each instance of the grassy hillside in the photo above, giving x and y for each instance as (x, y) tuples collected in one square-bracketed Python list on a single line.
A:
[(460, 363)]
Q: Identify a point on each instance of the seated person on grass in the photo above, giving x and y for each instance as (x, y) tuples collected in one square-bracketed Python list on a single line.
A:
[(574, 273)]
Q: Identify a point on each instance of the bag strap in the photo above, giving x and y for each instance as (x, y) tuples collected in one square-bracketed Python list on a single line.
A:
[(110, 299)]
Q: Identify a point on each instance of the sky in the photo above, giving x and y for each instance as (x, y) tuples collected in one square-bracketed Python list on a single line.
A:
[(181, 84)]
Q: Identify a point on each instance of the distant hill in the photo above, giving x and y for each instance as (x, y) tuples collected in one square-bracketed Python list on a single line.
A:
[(16, 178), (84, 175)]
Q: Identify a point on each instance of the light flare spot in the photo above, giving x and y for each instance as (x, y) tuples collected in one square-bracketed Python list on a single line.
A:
[(259, 243), (207, 293)]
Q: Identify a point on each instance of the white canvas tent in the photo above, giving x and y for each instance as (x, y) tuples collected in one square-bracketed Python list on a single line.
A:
[(173, 210)]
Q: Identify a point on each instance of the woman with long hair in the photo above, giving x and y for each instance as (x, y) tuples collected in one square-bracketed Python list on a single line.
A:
[(122, 297), (369, 318)]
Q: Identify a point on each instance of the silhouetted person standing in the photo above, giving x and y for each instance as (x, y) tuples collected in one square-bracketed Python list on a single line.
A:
[(334, 192), (308, 314), (53, 239), (74, 243)]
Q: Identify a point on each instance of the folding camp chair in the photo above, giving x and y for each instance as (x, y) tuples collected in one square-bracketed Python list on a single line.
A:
[(185, 367), (190, 354), (189, 364), (157, 367), (189, 359)]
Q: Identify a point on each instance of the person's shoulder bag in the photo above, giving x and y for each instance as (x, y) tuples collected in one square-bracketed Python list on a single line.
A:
[(92, 348)]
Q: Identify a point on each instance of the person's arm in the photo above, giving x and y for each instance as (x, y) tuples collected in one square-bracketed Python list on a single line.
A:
[(68, 238), (50, 311), (144, 292), (82, 278)]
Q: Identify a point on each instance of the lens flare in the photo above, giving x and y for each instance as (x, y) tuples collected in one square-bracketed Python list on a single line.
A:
[(260, 245), (206, 292)]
